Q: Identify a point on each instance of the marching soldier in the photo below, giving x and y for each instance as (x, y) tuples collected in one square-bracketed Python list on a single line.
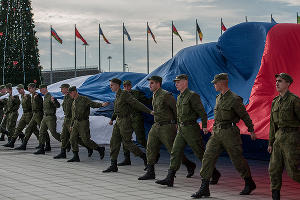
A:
[(11, 113), (50, 104), (80, 124), (2, 110), (284, 140), (36, 119), (25, 119), (163, 131), (229, 110), (137, 122), (122, 131), (189, 109)]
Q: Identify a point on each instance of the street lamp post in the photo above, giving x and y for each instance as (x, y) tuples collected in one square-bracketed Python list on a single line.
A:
[(109, 58)]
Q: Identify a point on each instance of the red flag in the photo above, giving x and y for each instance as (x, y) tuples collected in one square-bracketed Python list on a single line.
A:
[(223, 27), (15, 63), (80, 37), (176, 32), (1, 33)]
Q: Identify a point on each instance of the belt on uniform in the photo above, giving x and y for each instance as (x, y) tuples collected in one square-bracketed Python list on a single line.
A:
[(289, 129), (165, 123), (188, 123), (225, 126)]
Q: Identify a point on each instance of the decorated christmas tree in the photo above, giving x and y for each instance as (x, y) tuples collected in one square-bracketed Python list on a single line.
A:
[(19, 54)]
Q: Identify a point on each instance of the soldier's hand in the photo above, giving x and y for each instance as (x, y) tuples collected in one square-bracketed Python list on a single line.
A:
[(110, 122), (152, 112), (253, 136), (105, 104), (205, 131), (52, 99), (270, 149)]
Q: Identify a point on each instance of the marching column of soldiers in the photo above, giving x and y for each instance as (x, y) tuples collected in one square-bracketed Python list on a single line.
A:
[(175, 126)]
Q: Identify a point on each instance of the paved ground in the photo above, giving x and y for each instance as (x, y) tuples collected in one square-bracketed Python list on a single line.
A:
[(27, 176)]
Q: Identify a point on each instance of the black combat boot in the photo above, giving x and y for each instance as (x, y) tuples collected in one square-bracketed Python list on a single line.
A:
[(276, 194), (2, 138), (150, 174), (157, 158), (190, 166), (62, 154), (203, 190), (75, 157), (215, 177), (11, 143), (126, 160), (169, 180), (38, 147), (249, 186), (90, 152), (41, 150), (21, 137), (112, 168), (48, 146), (23, 146), (101, 151)]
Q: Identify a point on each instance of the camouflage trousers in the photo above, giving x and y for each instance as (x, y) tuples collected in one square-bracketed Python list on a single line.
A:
[(24, 121)]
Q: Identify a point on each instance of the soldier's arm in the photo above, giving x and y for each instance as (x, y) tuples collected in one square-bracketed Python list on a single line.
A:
[(240, 110), (297, 108), (142, 98), (93, 104), (16, 103), (199, 109), (135, 103), (272, 131), (171, 102), (56, 103)]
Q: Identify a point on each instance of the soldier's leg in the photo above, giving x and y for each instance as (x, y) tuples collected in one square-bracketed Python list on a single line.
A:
[(65, 134), (153, 145), (11, 123), (292, 160), (276, 167), (74, 135), (177, 152), (32, 126), (51, 124), (21, 125), (139, 130), (84, 133), (115, 142), (194, 139), (43, 131)]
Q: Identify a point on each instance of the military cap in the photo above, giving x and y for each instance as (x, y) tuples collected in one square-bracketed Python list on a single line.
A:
[(116, 80), (285, 76), (127, 82), (155, 78), (8, 85), (181, 77), (72, 89), (20, 86), (65, 85), (43, 86), (2, 87), (32, 85), (220, 77)]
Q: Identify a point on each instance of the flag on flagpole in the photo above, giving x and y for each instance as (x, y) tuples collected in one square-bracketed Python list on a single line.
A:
[(80, 37), (272, 20), (223, 27), (126, 33), (298, 19), (149, 31), (199, 31), (176, 32), (55, 35), (101, 33)]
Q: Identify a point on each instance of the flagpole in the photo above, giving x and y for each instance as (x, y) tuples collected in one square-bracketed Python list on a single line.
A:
[(51, 72), (196, 33), (271, 18), (123, 50), (75, 52), (84, 56), (147, 49), (172, 38), (99, 51), (297, 17), (221, 25), (246, 18)]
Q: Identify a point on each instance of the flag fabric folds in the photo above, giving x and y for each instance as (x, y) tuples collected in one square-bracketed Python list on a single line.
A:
[(199, 32), (298, 19), (223, 27), (126, 33), (176, 32), (272, 20), (80, 37), (104, 38), (149, 31), (55, 36)]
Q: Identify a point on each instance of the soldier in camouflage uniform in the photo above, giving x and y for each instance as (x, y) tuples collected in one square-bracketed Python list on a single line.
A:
[(65, 134), (11, 113), (50, 104), (189, 109), (122, 131), (163, 131), (2, 109), (137, 122), (80, 124), (229, 109), (284, 140), (25, 119), (37, 116)]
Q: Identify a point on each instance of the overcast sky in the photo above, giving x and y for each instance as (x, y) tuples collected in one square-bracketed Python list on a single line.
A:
[(87, 14)]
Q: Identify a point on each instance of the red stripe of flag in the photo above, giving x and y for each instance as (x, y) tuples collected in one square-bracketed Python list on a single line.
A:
[(223, 27), (176, 32), (55, 36), (80, 37), (149, 31)]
